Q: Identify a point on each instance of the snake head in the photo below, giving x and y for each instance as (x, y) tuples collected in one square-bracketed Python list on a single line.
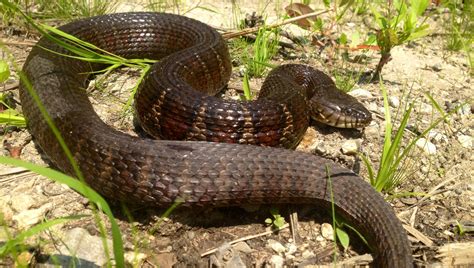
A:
[(344, 112)]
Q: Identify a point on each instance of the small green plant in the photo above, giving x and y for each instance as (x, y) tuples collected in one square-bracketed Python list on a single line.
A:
[(246, 87), (391, 172), (460, 24), (8, 116), (70, 10), (264, 48), (277, 221), (17, 243), (175, 6), (4, 71), (460, 228), (397, 29), (81, 188), (338, 225)]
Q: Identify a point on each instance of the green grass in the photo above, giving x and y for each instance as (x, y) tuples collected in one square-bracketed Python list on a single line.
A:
[(400, 23), (55, 9), (393, 169), (263, 49), (83, 189), (460, 28), (8, 115), (176, 6)]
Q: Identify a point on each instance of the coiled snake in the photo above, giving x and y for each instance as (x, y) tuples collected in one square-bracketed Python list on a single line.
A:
[(203, 173)]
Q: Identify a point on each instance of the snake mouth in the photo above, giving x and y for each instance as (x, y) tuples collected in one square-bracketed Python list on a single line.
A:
[(356, 116)]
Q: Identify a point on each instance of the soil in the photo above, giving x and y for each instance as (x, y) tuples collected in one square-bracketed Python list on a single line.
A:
[(436, 197)]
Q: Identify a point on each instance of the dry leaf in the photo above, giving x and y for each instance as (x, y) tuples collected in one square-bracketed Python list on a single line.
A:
[(298, 9)]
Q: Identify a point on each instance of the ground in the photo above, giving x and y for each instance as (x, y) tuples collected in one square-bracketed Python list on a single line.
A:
[(434, 200)]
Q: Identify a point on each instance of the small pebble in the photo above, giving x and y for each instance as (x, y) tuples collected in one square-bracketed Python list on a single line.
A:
[(291, 248), (277, 261), (426, 146), (327, 231), (436, 136), (350, 147), (426, 108), (28, 218), (136, 259), (437, 67), (242, 247), (394, 101), (276, 246), (307, 254), (408, 200), (465, 140), (360, 93)]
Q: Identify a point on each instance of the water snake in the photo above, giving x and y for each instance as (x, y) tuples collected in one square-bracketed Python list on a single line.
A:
[(202, 173)]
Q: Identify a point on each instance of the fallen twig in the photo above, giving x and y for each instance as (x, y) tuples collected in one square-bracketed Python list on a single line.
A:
[(247, 238), (17, 43), (230, 35)]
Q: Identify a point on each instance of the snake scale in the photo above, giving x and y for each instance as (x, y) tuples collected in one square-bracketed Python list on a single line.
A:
[(200, 172)]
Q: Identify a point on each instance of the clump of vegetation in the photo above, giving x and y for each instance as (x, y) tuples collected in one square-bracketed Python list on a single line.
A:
[(276, 221), (400, 23)]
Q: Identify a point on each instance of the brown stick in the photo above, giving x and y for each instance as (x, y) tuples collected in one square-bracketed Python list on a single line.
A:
[(278, 24), (17, 43)]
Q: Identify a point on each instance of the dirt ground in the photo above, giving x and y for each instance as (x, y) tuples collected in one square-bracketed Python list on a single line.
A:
[(436, 198)]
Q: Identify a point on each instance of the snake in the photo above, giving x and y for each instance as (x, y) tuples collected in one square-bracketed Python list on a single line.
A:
[(215, 161)]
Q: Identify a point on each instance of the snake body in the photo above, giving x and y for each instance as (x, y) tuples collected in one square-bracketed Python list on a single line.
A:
[(200, 172)]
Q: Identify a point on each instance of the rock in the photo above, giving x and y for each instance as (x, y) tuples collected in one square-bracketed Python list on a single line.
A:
[(394, 101), (28, 218), (327, 231), (465, 140), (350, 147), (360, 93), (24, 259), (166, 259), (22, 202), (373, 130), (81, 249), (291, 248), (437, 67), (436, 136), (226, 256), (6, 211), (426, 146), (307, 254), (135, 259), (276, 261), (308, 142), (242, 247), (465, 110), (320, 238), (190, 235), (320, 149), (426, 108), (408, 200), (372, 106), (276, 246)]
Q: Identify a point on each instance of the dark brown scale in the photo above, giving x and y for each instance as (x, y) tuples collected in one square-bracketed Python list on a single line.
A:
[(156, 172)]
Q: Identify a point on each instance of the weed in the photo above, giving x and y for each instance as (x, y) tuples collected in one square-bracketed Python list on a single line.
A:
[(4, 71), (277, 221), (81, 188), (460, 24), (391, 172), (398, 29), (8, 116), (18, 243), (175, 6), (264, 48), (338, 225)]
